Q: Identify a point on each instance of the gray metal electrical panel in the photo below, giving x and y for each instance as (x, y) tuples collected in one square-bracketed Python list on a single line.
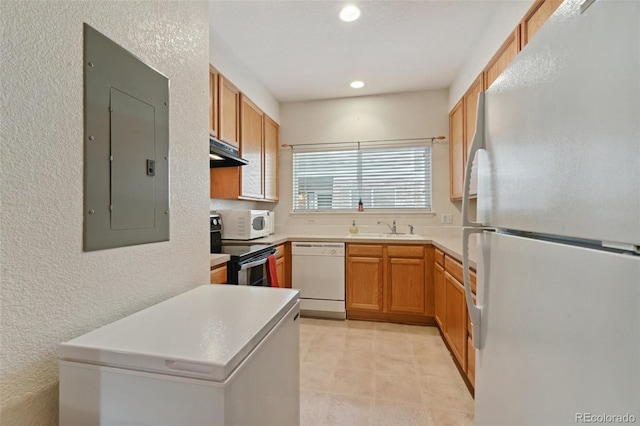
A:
[(126, 147)]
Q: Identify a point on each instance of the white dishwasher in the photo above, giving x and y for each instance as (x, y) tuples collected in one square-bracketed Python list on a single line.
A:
[(318, 272)]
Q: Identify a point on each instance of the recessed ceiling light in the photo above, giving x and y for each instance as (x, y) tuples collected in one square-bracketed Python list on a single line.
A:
[(349, 13), (357, 84)]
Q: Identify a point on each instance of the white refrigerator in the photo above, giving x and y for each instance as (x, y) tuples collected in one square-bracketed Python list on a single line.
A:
[(557, 321), (215, 355)]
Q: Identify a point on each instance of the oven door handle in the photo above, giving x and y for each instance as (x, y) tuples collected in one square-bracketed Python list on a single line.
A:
[(252, 264)]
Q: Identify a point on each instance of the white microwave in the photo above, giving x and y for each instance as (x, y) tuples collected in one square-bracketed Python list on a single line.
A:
[(245, 224)]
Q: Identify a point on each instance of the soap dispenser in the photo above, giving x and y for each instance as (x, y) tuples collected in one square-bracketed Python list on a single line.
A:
[(354, 228)]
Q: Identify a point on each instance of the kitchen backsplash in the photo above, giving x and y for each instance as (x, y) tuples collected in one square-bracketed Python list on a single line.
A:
[(369, 227)]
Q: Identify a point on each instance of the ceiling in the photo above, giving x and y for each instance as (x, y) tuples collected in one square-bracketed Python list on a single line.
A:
[(301, 50)]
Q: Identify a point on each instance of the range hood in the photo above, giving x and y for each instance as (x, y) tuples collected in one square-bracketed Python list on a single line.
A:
[(223, 155)]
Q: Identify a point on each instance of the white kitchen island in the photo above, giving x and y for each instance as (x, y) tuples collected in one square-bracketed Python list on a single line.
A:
[(215, 355)]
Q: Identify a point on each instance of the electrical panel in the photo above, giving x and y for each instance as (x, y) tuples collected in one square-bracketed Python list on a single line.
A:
[(126, 147)]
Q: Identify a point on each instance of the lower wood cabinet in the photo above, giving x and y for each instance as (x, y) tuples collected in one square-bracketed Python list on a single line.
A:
[(283, 265), (438, 289), (451, 313), (471, 362), (406, 280), (219, 274), (388, 283), (280, 271), (471, 351), (456, 319), (365, 278)]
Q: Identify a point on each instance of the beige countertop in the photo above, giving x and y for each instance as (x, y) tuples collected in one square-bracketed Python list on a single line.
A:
[(451, 245), (218, 259)]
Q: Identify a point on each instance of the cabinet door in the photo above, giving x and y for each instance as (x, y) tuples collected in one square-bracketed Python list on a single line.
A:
[(251, 149), (535, 18), (364, 283), (219, 275), (280, 267), (456, 319), (405, 286), (271, 147), (229, 111), (471, 362), (213, 101), (440, 300), (502, 58), (456, 151), (471, 352), (470, 102)]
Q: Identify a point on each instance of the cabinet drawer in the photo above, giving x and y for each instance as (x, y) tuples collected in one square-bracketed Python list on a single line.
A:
[(369, 250), (454, 267), (440, 257), (405, 251), (279, 251)]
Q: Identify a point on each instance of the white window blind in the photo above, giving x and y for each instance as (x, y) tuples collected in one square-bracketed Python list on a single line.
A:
[(383, 178)]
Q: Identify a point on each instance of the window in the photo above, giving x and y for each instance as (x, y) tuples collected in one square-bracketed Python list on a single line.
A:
[(384, 178)]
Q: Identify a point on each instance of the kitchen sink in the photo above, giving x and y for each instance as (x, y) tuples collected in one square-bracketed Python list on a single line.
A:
[(379, 235)]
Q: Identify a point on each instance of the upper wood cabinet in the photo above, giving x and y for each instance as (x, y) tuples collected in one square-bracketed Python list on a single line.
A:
[(271, 150), (537, 15), (229, 113), (470, 106), (235, 119), (213, 101), (251, 149), (456, 151), (502, 58), (462, 118)]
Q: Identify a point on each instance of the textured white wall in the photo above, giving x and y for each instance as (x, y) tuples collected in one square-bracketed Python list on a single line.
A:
[(51, 290), (391, 116), (225, 60)]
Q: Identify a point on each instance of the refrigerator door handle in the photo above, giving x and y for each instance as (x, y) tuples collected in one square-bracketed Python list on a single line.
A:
[(476, 144), (475, 311)]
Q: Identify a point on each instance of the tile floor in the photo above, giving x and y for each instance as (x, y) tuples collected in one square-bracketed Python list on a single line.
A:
[(368, 373)]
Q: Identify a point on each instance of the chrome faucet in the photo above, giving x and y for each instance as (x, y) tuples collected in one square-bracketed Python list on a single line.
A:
[(393, 228), (411, 229)]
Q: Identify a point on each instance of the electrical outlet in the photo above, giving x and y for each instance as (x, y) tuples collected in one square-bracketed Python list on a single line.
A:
[(447, 218), (311, 221)]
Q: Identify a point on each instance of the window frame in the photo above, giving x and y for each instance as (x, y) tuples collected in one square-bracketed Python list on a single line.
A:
[(427, 209)]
